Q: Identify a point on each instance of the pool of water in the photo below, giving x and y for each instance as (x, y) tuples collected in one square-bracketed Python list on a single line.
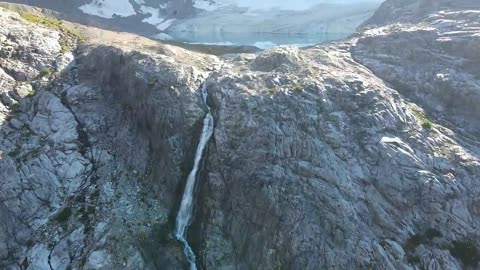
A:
[(260, 40)]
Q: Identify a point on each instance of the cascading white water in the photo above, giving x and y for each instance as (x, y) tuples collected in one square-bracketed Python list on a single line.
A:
[(185, 211)]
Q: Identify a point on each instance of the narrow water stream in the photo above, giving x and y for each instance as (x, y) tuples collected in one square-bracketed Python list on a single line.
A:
[(185, 211)]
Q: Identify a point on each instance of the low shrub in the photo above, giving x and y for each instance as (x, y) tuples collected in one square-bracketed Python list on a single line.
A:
[(465, 251), (421, 238), (64, 215), (427, 124), (297, 88), (45, 72), (272, 90)]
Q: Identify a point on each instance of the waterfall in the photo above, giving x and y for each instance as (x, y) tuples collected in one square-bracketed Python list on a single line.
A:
[(185, 211)]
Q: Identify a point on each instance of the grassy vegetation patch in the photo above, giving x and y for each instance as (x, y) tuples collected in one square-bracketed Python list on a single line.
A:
[(45, 73), (30, 154), (95, 195), (15, 107), (272, 90), (421, 238), (431, 233), (79, 37), (48, 22), (31, 93), (56, 24), (15, 152), (413, 259), (64, 215), (91, 210), (423, 25), (297, 88), (426, 123), (465, 251)]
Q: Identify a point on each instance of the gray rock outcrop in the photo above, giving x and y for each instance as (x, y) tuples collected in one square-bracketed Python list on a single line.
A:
[(415, 11), (337, 170)]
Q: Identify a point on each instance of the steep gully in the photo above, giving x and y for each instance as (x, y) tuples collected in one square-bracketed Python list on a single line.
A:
[(186, 206)]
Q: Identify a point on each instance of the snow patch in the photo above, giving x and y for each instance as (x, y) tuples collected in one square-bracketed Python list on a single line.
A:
[(297, 5), (206, 5), (268, 44), (275, 4), (264, 44), (154, 15), (226, 43), (108, 8), (163, 36), (155, 18), (166, 24)]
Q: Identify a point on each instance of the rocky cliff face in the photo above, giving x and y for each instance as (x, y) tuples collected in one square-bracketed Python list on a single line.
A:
[(361, 154), (91, 159), (438, 67), (316, 161)]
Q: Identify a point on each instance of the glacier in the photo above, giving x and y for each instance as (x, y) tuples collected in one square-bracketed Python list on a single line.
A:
[(243, 22)]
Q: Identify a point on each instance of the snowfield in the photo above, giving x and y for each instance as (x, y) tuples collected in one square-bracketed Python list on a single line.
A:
[(109, 8), (259, 5), (155, 18)]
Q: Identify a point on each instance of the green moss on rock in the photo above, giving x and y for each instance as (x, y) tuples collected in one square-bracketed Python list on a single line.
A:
[(64, 215)]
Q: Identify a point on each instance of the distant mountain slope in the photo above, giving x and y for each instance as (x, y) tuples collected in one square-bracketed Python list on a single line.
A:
[(394, 11)]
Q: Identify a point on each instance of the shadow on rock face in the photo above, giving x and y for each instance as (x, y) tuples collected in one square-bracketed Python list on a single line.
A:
[(162, 250)]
